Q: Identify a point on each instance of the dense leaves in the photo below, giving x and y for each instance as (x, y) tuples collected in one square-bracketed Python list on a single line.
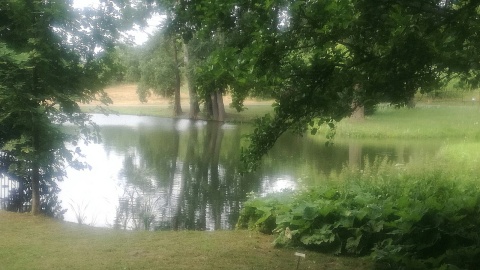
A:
[(404, 218), (51, 59), (322, 59), (158, 68)]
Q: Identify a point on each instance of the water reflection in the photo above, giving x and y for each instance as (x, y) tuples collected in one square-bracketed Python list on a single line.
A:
[(177, 179), (154, 174)]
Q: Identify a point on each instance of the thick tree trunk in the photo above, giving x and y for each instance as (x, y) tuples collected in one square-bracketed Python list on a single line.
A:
[(177, 107), (218, 107), (194, 107), (358, 110), (411, 102), (358, 113)]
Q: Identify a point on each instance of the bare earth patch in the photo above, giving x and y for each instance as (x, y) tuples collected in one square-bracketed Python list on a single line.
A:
[(126, 95)]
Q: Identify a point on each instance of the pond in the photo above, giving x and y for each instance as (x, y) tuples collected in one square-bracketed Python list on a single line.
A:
[(157, 173)]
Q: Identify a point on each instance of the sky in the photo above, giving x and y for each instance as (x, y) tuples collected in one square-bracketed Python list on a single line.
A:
[(140, 35)]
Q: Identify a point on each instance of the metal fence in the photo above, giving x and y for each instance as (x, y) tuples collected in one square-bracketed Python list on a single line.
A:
[(6, 186)]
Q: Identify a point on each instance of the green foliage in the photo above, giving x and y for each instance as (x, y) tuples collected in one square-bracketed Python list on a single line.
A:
[(317, 58), (158, 67), (406, 217), (125, 64), (259, 213), (51, 59)]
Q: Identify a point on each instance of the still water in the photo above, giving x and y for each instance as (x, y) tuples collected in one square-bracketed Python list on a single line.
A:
[(156, 173)]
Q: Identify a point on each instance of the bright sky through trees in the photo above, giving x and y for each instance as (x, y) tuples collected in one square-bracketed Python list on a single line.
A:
[(140, 35)]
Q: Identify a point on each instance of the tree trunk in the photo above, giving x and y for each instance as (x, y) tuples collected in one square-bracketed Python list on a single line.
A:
[(213, 97), (207, 106), (177, 107), (35, 189), (36, 176), (218, 107), (358, 110), (358, 113), (194, 107), (411, 102)]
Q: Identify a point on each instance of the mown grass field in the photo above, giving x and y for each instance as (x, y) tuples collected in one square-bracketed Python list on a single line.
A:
[(28, 242), (424, 121)]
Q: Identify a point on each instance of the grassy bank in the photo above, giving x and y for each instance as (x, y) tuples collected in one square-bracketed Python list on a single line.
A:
[(28, 242)]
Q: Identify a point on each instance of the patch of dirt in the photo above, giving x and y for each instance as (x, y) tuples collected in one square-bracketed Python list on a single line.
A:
[(126, 95)]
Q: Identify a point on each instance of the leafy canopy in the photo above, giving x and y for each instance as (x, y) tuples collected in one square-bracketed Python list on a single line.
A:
[(51, 58), (321, 59)]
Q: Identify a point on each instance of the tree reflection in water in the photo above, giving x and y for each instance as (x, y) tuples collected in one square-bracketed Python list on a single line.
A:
[(180, 179), (163, 174)]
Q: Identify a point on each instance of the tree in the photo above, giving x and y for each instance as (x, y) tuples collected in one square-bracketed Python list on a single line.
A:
[(126, 66), (317, 58), (212, 75), (195, 53), (160, 70), (51, 58), (190, 77)]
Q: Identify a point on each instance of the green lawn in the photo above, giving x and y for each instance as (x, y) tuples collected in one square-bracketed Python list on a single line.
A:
[(251, 111), (423, 121), (28, 242)]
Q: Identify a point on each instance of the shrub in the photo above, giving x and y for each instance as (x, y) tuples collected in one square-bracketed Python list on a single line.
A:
[(411, 217)]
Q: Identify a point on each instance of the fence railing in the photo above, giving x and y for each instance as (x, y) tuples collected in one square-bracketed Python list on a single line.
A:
[(6, 186)]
